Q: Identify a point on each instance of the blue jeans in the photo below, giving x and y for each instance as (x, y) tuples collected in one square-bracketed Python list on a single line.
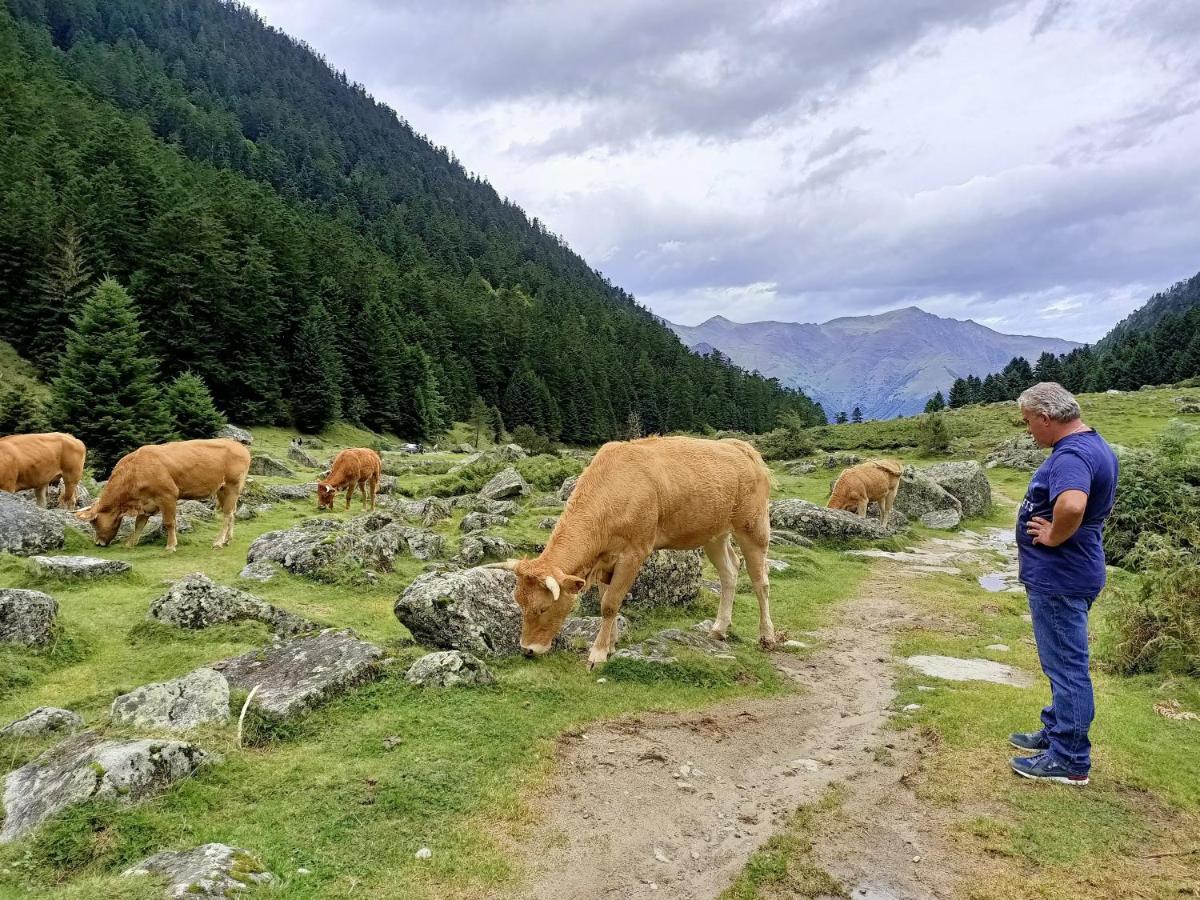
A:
[(1060, 627)]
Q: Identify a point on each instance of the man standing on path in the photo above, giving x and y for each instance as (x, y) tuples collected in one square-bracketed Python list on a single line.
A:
[(1061, 554)]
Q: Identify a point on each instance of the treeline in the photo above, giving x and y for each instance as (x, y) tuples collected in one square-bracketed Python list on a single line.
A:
[(1167, 352), (299, 249)]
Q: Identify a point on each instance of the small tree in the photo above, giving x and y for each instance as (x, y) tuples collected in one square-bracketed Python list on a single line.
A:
[(192, 410), (496, 421), (840, 419), (932, 434), (633, 426), (856, 415), (479, 420), (105, 393), (936, 403), (316, 377), (21, 411)]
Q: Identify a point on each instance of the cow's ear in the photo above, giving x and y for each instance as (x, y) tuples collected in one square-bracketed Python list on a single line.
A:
[(571, 584), (87, 514)]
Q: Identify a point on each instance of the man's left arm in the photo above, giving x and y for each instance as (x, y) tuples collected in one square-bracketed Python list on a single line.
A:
[(1070, 481)]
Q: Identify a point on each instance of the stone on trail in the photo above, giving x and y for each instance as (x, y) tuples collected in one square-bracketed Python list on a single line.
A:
[(26, 529), (77, 566), (43, 720), (198, 698), (954, 669), (26, 617), (448, 668), (300, 674), (208, 871), (86, 767)]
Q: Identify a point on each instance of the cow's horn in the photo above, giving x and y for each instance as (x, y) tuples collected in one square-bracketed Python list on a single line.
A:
[(552, 586), (510, 564)]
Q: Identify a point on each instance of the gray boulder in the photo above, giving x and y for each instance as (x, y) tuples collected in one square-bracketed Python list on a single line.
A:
[(478, 521), (196, 601), (967, 482), (43, 720), (471, 610), (818, 522), (83, 497), (196, 509), (919, 494), (465, 448), (26, 529), (667, 578), (661, 647), (579, 632), (296, 676), (548, 523), (261, 464), (302, 457), (449, 668), (475, 548), (208, 872), (86, 767), (802, 468), (26, 617), (567, 488), (281, 493), (508, 483), (486, 506), (436, 512), (781, 537), (466, 463), (547, 501), (263, 570), (508, 452), (66, 567), (941, 518), (198, 698), (840, 461), (1019, 452), (233, 433)]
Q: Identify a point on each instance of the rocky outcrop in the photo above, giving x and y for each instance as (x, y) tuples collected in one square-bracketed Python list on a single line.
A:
[(1019, 452), (198, 698), (233, 433), (26, 529), (43, 720), (196, 601), (475, 548), (26, 617), (478, 521), (820, 523), (73, 567), (965, 481), (667, 578), (471, 610), (449, 668), (261, 464), (208, 872), (508, 483), (302, 457), (919, 494)]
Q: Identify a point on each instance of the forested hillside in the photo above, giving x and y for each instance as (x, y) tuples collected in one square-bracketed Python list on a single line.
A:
[(1157, 344), (300, 248)]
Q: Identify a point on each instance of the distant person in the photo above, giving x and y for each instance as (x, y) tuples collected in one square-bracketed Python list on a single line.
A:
[(1059, 543)]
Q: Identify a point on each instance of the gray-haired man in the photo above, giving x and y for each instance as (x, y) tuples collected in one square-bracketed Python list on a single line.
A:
[(1061, 554)]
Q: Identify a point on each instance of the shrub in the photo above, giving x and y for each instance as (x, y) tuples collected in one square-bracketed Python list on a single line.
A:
[(535, 443), (1156, 622), (785, 442), (932, 434), (191, 408), (21, 410)]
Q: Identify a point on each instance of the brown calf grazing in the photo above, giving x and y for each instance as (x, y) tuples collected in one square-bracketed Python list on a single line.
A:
[(857, 486), (155, 477), (358, 467), (636, 497), (38, 460)]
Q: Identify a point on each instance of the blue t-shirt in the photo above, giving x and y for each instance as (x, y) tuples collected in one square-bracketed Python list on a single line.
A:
[(1075, 568)]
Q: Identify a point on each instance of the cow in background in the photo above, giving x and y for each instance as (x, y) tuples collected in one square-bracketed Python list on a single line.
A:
[(154, 478), (358, 467), (38, 460), (857, 486), (635, 497)]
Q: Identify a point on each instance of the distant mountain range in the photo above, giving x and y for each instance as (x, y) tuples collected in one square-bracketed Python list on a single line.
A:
[(888, 365)]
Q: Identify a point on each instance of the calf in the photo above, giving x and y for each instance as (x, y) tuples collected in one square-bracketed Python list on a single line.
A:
[(357, 467), (155, 477), (636, 497), (857, 486), (37, 460)]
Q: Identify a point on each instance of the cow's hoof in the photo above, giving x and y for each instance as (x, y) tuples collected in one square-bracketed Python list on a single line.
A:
[(717, 634), (596, 658), (767, 642)]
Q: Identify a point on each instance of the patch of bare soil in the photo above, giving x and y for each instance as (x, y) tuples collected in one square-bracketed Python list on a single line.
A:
[(673, 805)]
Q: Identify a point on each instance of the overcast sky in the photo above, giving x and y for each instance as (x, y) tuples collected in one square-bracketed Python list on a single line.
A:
[(1034, 166)]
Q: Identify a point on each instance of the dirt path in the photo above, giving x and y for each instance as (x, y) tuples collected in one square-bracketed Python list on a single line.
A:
[(673, 805)]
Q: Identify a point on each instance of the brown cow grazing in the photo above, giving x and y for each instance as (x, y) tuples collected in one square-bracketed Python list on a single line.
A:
[(38, 460), (155, 477), (636, 497), (876, 479), (357, 467)]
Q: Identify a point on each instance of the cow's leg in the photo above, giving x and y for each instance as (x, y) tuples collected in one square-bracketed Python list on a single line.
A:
[(227, 497), (66, 499), (362, 487), (623, 575), (885, 507), (720, 553), (39, 494), (167, 508), (754, 548), (374, 489), (862, 507), (350, 493), (136, 535)]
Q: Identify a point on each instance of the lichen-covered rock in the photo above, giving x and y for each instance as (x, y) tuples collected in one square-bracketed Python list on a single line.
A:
[(198, 698), (508, 452), (26, 617), (233, 433), (475, 548), (661, 647), (478, 521), (196, 601), (802, 468), (43, 720), (437, 511), (548, 523), (567, 488), (781, 537), (1020, 452), (471, 610), (83, 496), (547, 501), (302, 457), (818, 522), (579, 632), (508, 483), (86, 767), (840, 461), (919, 494), (26, 529), (295, 676), (196, 509), (667, 578), (282, 493), (208, 872), (67, 567), (261, 464), (263, 570), (449, 668), (965, 481), (941, 518), (484, 505)]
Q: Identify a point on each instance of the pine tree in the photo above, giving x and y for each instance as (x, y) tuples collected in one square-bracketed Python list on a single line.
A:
[(932, 434), (105, 392), (479, 420), (21, 411), (959, 393), (316, 377), (1047, 368), (856, 415), (496, 421), (61, 290), (841, 418), (191, 407), (936, 403)]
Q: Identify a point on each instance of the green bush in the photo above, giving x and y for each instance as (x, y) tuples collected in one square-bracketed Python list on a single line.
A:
[(1156, 622), (544, 473), (785, 443), (21, 410), (535, 443), (191, 407), (932, 434)]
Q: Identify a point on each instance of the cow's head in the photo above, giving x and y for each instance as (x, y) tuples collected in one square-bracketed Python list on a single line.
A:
[(325, 495), (545, 595), (105, 522), (842, 501)]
